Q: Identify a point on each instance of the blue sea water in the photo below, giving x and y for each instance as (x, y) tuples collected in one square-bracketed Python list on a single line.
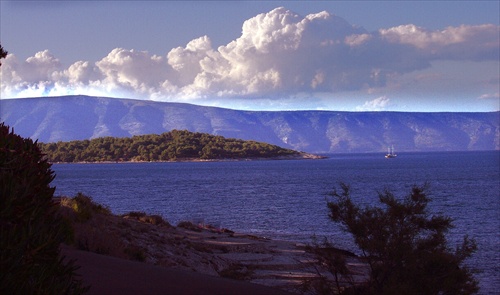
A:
[(287, 199)]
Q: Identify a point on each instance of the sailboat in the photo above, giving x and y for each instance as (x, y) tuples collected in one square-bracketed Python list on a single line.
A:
[(390, 153)]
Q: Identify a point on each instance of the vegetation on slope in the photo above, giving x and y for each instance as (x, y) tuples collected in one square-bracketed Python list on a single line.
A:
[(170, 146), (31, 228)]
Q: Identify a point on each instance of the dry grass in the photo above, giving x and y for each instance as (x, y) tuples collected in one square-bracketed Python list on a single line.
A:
[(88, 221), (143, 217), (95, 229)]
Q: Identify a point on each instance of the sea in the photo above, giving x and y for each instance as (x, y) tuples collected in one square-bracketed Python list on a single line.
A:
[(287, 199)]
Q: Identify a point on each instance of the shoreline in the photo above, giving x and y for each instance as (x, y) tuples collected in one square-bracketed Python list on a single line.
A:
[(152, 244), (299, 156)]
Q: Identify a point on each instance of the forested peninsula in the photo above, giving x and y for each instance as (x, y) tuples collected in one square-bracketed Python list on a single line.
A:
[(176, 145)]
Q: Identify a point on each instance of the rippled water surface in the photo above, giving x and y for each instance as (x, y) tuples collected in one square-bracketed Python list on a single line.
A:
[(287, 199)]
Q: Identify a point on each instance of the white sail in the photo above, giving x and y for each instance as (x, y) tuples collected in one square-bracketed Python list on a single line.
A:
[(390, 153)]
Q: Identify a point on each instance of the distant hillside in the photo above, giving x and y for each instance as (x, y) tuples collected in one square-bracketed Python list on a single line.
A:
[(51, 119), (175, 145)]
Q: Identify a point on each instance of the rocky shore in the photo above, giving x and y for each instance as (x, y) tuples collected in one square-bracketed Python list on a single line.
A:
[(202, 249)]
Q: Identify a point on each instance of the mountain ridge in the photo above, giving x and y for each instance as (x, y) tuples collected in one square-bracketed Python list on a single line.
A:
[(78, 117)]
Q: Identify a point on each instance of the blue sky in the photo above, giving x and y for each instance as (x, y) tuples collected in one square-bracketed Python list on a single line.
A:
[(258, 55)]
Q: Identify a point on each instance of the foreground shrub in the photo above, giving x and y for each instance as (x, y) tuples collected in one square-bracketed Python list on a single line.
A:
[(31, 230), (92, 230), (189, 226), (404, 245), (135, 253), (84, 206), (153, 219), (135, 214), (143, 217)]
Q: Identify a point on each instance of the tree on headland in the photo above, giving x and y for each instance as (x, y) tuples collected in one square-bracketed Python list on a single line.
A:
[(3, 54), (169, 146), (404, 245)]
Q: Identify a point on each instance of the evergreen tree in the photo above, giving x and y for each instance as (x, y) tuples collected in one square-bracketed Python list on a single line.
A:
[(31, 229)]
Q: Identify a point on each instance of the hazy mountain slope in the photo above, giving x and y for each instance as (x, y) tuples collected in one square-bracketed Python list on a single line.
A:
[(66, 118)]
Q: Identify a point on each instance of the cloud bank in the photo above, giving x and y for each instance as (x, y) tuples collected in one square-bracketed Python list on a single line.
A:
[(278, 54)]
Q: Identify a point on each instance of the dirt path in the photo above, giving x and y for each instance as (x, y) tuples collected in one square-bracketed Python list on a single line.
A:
[(110, 275)]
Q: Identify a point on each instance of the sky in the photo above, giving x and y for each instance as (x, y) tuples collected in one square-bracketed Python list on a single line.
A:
[(409, 56)]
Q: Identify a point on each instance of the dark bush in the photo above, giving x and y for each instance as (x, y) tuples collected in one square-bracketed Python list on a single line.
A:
[(135, 214), (135, 253), (189, 226), (405, 245), (31, 229), (143, 217), (153, 219)]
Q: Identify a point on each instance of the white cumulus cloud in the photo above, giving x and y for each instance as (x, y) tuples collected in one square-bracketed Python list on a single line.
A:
[(278, 54), (464, 42), (376, 105)]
